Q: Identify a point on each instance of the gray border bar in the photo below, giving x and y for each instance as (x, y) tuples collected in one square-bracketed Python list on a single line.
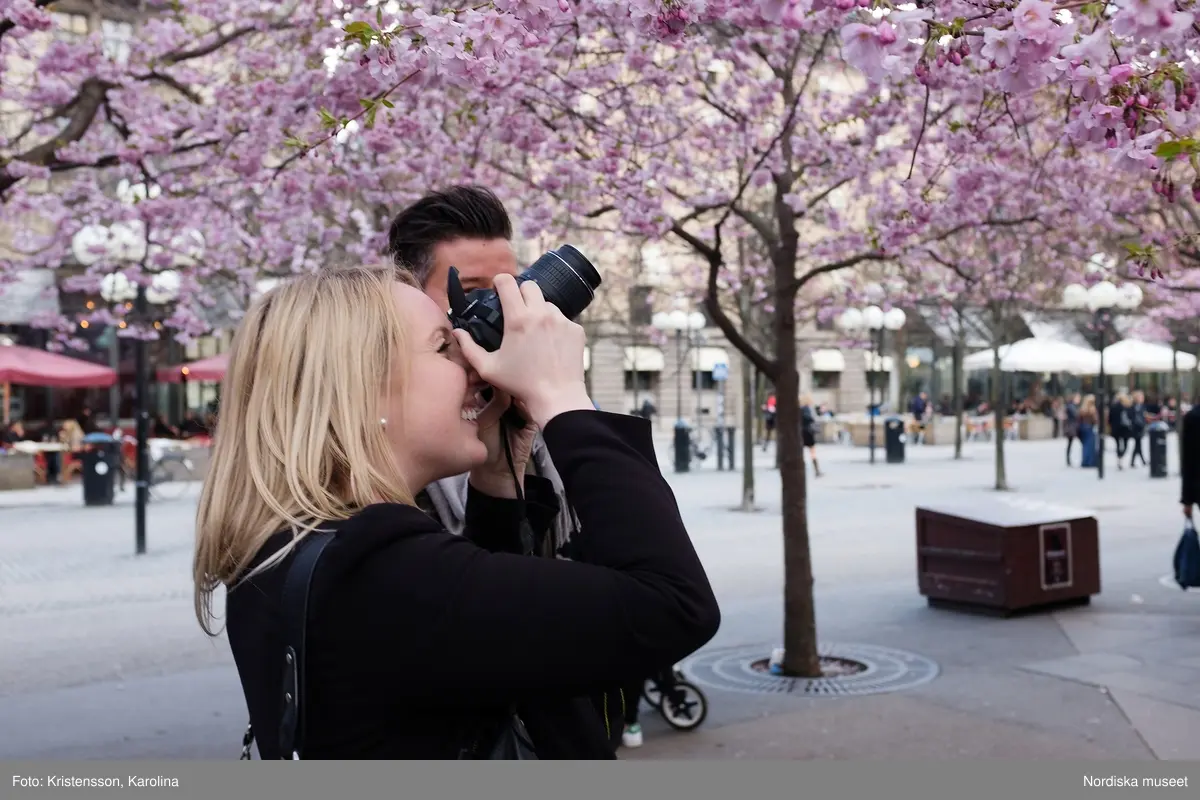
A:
[(720, 780)]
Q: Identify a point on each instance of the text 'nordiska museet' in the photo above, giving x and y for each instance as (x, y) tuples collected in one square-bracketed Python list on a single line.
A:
[(1129, 780)]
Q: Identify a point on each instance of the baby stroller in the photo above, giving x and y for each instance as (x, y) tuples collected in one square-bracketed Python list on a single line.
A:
[(680, 701)]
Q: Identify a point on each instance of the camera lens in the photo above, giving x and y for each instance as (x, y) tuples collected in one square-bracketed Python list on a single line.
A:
[(567, 279)]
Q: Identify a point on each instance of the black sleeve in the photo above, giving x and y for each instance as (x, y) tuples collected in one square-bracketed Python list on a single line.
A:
[(493, 523), (476, 627), (1189, 456)]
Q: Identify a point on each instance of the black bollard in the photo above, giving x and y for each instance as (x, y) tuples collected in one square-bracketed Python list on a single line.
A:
[(683, 446)]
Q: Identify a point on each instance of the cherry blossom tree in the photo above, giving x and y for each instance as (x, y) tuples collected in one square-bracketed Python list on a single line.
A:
[(750, 125), (1123, 74)]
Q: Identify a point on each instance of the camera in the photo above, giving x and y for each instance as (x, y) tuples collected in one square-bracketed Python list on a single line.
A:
[(565, 276)]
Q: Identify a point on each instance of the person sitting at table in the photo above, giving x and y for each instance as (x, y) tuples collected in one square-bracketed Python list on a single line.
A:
[(161, 429), (71, 434), (191, 426), (13, 433)]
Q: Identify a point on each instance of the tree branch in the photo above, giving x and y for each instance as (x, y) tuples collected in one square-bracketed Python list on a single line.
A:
[(784, 130), (162, 77), (84, 107), (834, 266), (920, 134), (713, 305)]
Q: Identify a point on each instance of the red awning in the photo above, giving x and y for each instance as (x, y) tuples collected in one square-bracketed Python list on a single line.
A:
[(211, 369), (28, 366)]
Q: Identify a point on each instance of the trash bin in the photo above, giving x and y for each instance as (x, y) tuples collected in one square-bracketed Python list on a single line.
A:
[(99, 469), (1158, 449), (683, 446), (894, 440)]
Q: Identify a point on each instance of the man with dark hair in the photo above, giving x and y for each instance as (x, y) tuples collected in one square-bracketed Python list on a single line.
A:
[(468, 227), (464, 226)]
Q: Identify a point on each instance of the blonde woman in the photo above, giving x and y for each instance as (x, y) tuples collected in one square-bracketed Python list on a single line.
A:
[(71, 434), (346, 393)]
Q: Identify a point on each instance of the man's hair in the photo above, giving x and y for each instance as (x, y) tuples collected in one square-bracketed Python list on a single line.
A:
[(460, 212)]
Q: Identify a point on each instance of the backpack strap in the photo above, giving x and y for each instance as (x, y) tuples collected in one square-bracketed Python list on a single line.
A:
[(296, 591)]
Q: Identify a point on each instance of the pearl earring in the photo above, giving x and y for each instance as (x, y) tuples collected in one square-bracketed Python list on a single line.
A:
[(383, 421)]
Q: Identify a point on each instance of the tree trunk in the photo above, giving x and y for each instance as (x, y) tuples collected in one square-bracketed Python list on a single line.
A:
[(998, 414), (749, 399), (956, 394), (799, 615)]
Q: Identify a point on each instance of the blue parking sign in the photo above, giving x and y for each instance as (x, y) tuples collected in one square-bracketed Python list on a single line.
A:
[(720, 371)]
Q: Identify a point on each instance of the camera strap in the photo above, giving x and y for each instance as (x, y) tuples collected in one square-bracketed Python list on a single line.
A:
[(525, 529)]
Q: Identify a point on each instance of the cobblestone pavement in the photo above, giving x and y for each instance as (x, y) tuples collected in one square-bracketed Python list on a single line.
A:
[(103, 658)]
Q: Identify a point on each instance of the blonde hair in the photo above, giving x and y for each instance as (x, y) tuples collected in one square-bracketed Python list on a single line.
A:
[(299, 437)]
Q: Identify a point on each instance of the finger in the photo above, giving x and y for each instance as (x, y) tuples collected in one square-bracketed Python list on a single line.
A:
[(493, 410), (532, 294), (512, 300), (478, 358)]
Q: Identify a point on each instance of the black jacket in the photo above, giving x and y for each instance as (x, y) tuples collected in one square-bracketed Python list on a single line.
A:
[(418, 637), (1189, 456)]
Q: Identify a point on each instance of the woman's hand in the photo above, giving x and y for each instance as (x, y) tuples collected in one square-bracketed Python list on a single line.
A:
[(540, 360), (494, 477)]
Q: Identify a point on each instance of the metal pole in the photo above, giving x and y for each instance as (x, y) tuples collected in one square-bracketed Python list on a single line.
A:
[(875, 348), (1103, 410), (143, 427), (678, 375), (114, 391)]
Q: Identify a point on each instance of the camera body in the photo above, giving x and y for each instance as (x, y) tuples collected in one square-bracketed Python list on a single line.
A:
[(565, 276)]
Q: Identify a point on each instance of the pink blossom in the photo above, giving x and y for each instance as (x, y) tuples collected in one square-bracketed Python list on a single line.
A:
[(1137, 154), (863, 48), (1034, 20), (1090, 83), (1120, 73), (1148, 19), (1000, 46), (1094, 48)]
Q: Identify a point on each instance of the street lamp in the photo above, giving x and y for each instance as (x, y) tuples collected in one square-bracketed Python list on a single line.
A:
[(125, 243), (679, 321), (1101, 298), (876, 320), (115, 288)]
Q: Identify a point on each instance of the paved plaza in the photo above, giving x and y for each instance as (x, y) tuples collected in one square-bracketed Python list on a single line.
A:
[(102, 656)]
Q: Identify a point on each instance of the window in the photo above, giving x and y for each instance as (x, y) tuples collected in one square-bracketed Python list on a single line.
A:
[(640, 312), (71, 23), (645, 381), (115, 39), (826, 380), (703, 380)]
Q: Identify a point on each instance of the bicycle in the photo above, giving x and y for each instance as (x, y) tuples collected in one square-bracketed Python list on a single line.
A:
[(680, 701), (170, 474)]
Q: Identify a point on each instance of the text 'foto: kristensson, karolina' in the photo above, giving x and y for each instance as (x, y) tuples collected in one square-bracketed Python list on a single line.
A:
[(1129, 780), (75, 782)]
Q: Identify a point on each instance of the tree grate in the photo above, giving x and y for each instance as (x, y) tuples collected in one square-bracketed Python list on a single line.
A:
[(887, 670)]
